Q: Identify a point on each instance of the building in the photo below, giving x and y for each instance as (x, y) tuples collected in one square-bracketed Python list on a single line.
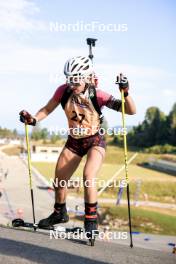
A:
[(45, 153)]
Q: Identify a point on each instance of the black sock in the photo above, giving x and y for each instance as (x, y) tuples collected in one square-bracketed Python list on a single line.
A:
[(91, 211), (60, 207)]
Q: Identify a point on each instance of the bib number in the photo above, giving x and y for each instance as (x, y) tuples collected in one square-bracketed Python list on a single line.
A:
[(78, 117)]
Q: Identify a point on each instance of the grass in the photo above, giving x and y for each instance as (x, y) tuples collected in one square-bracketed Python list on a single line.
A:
[(114, 154), (159, 186), (165, 211), (12, 151), (45, 168), (156, 191), (143, 220), (107, 171)]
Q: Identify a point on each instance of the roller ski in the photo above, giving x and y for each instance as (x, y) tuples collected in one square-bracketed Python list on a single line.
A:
[(49, 223), (91, 231), (20, 223)]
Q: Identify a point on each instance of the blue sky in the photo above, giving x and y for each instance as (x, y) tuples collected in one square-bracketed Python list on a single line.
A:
[(32, 56)]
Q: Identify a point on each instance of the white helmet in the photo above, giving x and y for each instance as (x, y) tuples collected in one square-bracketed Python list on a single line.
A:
[(78, 66)]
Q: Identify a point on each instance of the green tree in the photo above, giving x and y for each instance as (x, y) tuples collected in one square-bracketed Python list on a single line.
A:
[(54, 138), (155, 126), (152, 131), (44, 133), (172, 125), (38, 133), (105, 123), (15, 133), (6, 133)]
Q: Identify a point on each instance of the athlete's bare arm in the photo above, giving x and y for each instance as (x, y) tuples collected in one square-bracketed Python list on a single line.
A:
[(115, 104), (46, 110), (130, 108)]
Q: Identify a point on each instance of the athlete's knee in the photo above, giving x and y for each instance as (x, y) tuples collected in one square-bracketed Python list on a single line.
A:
[(59, 183), (89, 181)]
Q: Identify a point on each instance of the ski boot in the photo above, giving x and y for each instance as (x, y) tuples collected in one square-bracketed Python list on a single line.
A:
[(90, 222), (57, 217)]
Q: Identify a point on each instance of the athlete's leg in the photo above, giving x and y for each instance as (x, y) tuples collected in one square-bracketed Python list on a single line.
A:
[(95, 157), (94, 161), (66, 165)]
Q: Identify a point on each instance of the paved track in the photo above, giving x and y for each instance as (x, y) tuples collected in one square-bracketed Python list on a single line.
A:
[(22, 247)]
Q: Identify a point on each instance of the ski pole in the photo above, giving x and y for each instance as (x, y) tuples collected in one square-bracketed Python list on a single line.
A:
[(91, 43), (126, 164), (29, 170)]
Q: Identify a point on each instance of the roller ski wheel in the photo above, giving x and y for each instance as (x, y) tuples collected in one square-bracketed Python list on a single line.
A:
[(92, 242), (91, 230), (18, 222)]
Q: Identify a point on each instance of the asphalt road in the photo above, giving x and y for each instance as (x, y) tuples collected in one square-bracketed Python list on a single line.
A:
[(24, 247)]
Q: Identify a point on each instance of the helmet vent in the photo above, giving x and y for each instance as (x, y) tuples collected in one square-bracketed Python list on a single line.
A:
[(80, 65), (74, 67)]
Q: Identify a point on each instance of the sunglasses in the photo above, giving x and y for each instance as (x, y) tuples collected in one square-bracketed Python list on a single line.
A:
[(73, 84)]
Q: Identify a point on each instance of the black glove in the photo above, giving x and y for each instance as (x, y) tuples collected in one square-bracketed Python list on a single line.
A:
[(27, 118), (122, 81)]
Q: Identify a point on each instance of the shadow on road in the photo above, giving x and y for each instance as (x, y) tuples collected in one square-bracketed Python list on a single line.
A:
[(40, 254)]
